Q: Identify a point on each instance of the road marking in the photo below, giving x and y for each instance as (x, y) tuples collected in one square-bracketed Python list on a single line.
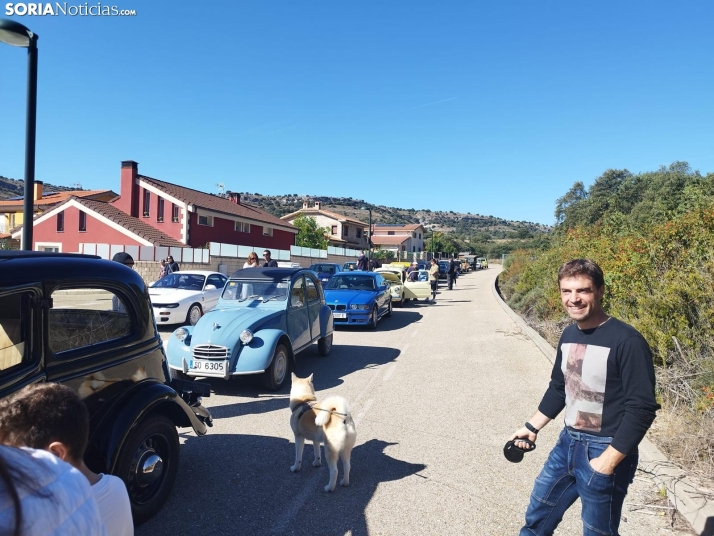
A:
[(389, 372), (308, 491)]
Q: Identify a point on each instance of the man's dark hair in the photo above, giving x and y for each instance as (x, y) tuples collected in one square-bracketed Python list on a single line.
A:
[(42, 413), (579, 267)]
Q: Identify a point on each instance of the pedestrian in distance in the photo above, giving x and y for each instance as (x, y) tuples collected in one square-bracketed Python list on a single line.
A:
[(451, 274), (362, 262), (434, 278), (604, 378), (413, 272), (252, 261), (171, 265), (128, 261), (374, 264), (162, 268), (52, 417), (269, 263)]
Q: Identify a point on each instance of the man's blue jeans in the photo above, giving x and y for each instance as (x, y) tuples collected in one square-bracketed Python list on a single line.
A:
[(567, 475)]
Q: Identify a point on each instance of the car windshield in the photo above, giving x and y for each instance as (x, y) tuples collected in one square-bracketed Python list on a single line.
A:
[(261, 289), (350, 282), (181, 281), (324, 268)]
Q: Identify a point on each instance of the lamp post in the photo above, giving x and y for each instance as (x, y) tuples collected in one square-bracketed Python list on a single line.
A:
[(15, 34), (369, 237)]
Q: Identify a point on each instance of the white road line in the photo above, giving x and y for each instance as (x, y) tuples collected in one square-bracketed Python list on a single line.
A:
[(308, 491), (362, 413), (389, 372)]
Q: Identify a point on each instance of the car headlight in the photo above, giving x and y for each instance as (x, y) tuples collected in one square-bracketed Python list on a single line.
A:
[(396, 290), (181, 334), (246, 336), (165, 305), (364, 306)]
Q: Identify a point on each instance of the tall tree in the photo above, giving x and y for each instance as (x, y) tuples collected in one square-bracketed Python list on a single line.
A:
[(310, 234)]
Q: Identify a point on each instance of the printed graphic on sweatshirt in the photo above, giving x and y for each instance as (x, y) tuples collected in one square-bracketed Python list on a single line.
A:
[(585, 371)]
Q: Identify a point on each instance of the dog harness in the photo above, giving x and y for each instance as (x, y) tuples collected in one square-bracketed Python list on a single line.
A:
[(303, 408)]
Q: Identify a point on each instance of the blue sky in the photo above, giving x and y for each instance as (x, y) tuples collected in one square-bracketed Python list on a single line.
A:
[(492, 108)]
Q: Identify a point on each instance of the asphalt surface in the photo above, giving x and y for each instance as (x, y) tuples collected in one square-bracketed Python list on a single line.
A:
[(435, 393)]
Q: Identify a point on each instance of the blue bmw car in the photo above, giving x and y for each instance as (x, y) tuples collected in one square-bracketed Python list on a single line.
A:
[(325, 270), (358, 298)]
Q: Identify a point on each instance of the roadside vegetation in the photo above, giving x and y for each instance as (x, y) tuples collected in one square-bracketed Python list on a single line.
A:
[(653, 235)]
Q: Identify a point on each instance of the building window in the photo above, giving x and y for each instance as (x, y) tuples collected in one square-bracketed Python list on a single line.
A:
[(267, 231), (147, 203), (242, 227), (160, 209), (390, 233), (334, 230), (413, 248), (60, 222), (174, 213), (205, 220), (359, 233), (345, 230), (82, 221)]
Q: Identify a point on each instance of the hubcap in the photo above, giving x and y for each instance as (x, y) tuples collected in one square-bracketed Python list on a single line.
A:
[(195, 315), (151, 466), (280, 367)]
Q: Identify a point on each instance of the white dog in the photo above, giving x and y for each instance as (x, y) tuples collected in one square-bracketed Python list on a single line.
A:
[(328, 422)]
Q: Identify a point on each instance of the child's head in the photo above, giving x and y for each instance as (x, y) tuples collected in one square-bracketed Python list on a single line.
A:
[(46, 416)]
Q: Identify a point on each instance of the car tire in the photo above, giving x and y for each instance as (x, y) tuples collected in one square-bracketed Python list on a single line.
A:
[(324, 345), (389, 309), (374, 318), (276, 373), (178, 374), (194, 314), (154, 436)]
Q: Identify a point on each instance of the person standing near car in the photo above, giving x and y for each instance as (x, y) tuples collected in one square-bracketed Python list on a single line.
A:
[(162, 268), (269, 263), (434, 279), (362, 262), (604, 378), (171, 265), (451, 274), (252, 261)]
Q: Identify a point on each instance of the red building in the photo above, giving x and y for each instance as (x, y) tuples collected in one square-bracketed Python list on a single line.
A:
[(153, 212)]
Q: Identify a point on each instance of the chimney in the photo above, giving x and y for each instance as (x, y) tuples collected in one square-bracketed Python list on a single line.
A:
[(317, 205), (233, 197), (128, 201), (304, 205), (37, 194)]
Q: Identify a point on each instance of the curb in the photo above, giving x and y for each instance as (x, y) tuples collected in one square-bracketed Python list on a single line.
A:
[(689, 501)]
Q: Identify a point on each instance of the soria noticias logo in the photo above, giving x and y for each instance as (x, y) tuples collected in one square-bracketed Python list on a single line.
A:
[(63, 8)]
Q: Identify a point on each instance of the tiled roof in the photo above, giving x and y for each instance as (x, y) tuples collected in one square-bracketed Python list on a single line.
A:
[(409, 227), (216, 203), (312, 211), (130, 223), (52, 198), (389, 240)]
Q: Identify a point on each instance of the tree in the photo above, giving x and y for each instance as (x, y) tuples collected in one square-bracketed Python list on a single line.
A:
[(310, 234)]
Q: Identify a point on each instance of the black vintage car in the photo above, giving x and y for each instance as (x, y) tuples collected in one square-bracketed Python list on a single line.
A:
[(88, 323)]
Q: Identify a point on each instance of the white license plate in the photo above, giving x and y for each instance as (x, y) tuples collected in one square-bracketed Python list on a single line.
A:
[(339, 315), (208, 367)]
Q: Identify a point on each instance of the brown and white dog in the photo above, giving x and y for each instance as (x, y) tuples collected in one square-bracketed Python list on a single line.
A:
[(328, 422)]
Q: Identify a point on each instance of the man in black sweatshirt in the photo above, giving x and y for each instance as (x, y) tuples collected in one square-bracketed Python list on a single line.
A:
[(604, 378)]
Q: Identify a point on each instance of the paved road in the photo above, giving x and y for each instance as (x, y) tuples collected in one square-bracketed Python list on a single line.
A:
[(435, 392)]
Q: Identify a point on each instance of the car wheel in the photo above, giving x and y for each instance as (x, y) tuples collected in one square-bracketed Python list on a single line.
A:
[(194, 314), (148, 463), (277, 371), (373, 319), (178, 374), (389, 309), (324, 345)]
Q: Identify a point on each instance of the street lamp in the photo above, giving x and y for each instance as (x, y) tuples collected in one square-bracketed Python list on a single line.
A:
[(369, 237), (15, 34)]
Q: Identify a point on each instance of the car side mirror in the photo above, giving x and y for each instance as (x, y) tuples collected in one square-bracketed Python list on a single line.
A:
[(383, 287), (210, 287)]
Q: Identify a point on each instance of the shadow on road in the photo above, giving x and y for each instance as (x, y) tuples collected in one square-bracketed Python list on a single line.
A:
[(242, 484), (329, 372), (399, 319)]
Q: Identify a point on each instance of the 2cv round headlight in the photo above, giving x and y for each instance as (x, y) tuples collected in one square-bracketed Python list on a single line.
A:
[(246, 336)]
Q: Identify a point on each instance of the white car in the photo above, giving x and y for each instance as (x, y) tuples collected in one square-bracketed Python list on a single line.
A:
[(183, 297), (401, 288)]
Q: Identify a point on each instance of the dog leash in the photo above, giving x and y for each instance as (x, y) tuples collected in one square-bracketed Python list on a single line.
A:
[(304, 407)]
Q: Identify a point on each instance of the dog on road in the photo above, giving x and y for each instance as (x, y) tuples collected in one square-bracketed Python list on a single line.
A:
[(329, 423)]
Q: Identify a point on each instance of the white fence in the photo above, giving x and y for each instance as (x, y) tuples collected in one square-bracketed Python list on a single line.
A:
[(217, 249)]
